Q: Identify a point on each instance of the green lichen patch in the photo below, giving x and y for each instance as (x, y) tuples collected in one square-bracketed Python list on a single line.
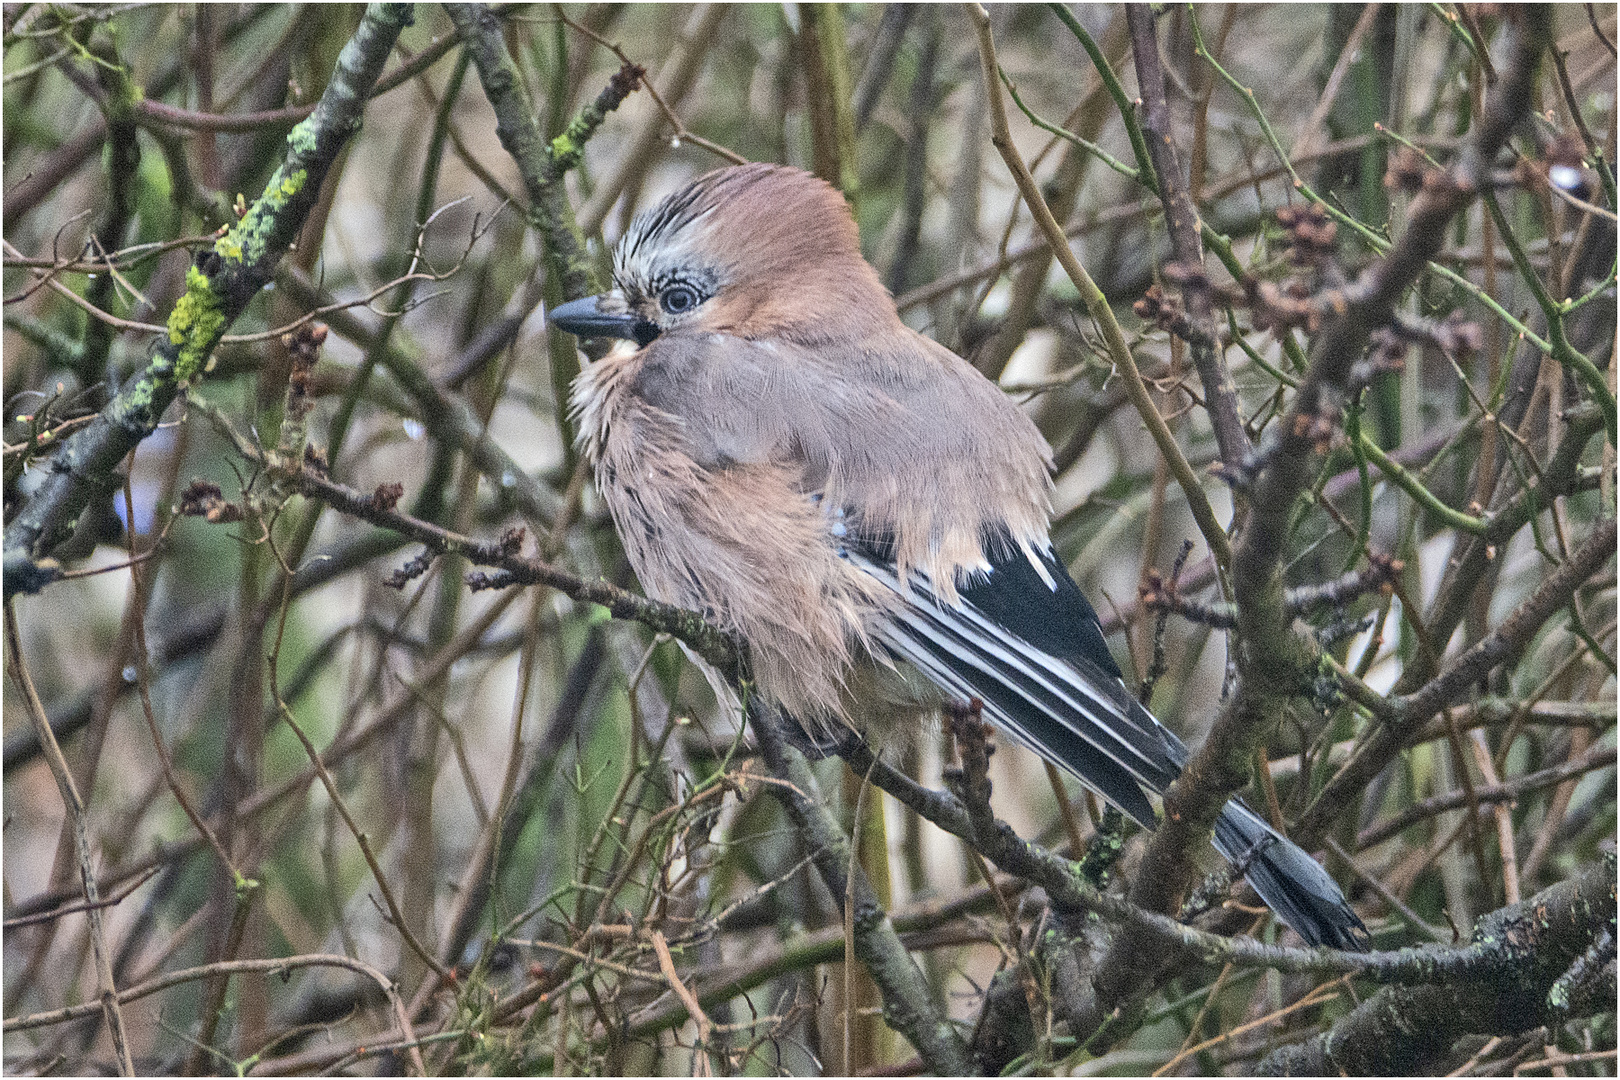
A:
[(196, 325), (247, 241)]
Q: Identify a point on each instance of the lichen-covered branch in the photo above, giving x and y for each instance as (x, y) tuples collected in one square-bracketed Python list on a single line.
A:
[(1404, 1031), (540, 163), (218, 288), (569, 273)]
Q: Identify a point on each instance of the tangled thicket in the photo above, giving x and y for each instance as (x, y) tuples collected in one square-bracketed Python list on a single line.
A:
[(338, 737)]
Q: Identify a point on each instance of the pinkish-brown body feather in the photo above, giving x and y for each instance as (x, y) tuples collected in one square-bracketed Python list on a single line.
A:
[(727, 447)]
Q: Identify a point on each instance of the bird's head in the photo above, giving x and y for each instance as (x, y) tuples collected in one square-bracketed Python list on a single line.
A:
[(756, 251)]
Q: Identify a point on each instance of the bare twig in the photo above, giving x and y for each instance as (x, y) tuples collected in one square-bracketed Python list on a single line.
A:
[(108, 1001), (1182, 221), (1096, 304), (666, 964)]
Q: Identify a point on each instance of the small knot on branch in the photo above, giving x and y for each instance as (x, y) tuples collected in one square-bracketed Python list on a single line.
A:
[(1241, 477), (1158, 595), (1186, 275), (315, 460)]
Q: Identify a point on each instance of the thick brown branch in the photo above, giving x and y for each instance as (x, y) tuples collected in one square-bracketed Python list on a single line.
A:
[(1273, 660)]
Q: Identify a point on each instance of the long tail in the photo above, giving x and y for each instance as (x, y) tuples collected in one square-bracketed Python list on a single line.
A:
[(1292, 884)]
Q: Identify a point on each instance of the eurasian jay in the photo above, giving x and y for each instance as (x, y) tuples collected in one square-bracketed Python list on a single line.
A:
[(859, 504)]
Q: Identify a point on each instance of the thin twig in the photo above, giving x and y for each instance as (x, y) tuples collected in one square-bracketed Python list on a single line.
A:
[(107, 995), (1096, 304), (666, 963)]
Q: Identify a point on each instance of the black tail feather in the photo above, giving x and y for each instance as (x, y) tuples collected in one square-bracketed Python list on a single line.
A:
[(1292, 884)]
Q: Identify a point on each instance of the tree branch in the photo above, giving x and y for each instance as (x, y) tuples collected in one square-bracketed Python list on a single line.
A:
[(1182, 220), (218, 288), (1405, 1031), (908, 1005), (1275, 662)]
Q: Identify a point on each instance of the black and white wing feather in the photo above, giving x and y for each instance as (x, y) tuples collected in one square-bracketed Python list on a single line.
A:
[(1024, 641), (1066, 702)]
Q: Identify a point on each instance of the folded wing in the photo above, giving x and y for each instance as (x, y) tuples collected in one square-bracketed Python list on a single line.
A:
[(1024, 642)]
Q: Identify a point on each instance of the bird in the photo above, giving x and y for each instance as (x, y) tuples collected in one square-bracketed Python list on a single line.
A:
[(860, 505)]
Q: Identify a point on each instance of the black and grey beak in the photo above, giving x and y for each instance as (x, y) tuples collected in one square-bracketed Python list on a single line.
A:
[(585, 319)]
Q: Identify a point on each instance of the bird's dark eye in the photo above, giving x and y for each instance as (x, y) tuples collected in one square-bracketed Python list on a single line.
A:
[(678, 299)]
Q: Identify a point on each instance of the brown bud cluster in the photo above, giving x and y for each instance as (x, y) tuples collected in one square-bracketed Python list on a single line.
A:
[(1186, 275), (1386, 351), (1319, 429), (1278, 308), (1157, 308), (1312, 237), (412, 570), (1458, 336), (626, 80), (1385, 569), (204, 499), (303, 347), (386, 497), (1406, 171), (1454, 336), (1167, 314), (1156, 593), (479, 580), (511, 541)]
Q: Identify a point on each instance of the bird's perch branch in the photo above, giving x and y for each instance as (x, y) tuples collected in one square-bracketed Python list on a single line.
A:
[(1538, 945), (1068, 888)]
